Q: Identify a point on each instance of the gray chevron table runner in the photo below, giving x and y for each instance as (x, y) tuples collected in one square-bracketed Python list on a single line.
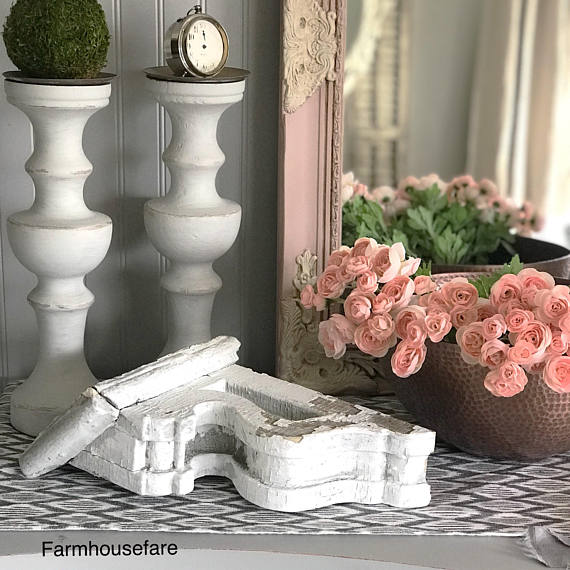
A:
[(470, 496)]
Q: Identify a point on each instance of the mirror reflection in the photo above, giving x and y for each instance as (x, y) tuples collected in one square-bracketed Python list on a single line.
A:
[(469, 100)]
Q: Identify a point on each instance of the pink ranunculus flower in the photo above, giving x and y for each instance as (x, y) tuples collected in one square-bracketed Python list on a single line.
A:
[(337, 256), (437, 300), (395, 207), (382, 303), (329, 283), (493, 353), (383, 195), (518, 319), (494, 327), (506, 381), (553, 304), (367, 282), (558, 344), (428, 181), (470, 340), (400, 289), (358, 306), (508, 306), (538, 334), (405, 183), (485, 309), (405, 316), (361, 245), (424, 284), (358, 265), (319, 302), (488, 188), (438, 324), (334, 334), (564, 323), (410, 266), (524, 352), (416, 333), (530, 277), (507, 288), (408, 359), (460, 293), (382, 324), (556, 374), (371, 341), (386, 262), (463, 316), (307, 296), (535, 367)]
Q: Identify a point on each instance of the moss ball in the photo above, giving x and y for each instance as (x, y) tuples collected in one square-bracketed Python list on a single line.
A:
[(57, 38)]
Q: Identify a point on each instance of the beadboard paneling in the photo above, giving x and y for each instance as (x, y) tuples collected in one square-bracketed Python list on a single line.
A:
[(127, 324)]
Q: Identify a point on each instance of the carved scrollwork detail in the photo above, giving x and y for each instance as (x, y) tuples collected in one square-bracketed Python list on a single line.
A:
[(309, 50), (303, 360)]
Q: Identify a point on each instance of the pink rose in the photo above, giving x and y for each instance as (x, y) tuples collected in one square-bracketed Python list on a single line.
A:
[(400, 290), (307, 296), (518, 319), (494, 327), (530, 277), (438, 324), (505, 289), (470, 340), (329, 284), (358, 265), (382, 303), (405, 316), (319, 302), (410, 266), (408, 359), (493, 353), (437, 300), (553, 304), (367, 282), (557, 374), (382, 325), (370, 342), (558, 344), (460, 293), (386, 261), (334, 334), (538, 335), (485, 309), (358, 306), (463, 316), (361, 245), (424, 284), (506, 381), (524, 352), (337, 256)]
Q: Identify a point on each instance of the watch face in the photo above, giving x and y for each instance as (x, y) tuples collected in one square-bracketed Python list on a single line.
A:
[(204, 46)]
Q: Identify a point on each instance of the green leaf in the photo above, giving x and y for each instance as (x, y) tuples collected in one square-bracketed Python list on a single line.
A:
[(424, 269), (484, 283)]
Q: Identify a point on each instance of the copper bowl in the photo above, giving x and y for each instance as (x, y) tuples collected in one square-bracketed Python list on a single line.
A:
[(448, 396), (541, 255)]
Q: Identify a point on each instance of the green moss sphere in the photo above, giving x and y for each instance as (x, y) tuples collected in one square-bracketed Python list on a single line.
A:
[(57, 38)]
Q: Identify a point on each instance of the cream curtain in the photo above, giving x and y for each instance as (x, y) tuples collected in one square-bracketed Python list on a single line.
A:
[(519, 131)]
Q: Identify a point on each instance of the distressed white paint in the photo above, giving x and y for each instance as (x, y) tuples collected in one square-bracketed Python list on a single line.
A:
[(127, 325), (60, 240), (285, 447), (192, 225)]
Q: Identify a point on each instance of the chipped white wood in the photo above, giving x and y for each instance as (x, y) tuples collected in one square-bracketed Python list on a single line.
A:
[(192, 225), (285, 447), (60, 240)]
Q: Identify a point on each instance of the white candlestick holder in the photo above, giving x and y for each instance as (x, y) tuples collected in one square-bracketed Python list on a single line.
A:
[(60, 240), (192, 225)]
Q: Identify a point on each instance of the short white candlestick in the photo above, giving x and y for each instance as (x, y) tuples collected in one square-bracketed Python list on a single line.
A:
[(192, 225), (60, 240)]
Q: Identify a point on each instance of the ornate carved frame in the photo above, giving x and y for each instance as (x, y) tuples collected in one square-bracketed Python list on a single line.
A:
[(310, 158)]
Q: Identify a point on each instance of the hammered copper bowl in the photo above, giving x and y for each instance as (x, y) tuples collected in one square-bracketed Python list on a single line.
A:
[(448, 396)]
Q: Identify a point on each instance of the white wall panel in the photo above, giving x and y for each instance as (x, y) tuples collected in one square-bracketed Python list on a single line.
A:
[(127, 323)]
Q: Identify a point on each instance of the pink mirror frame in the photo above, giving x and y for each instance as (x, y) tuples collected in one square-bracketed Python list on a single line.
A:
[(310, 174)]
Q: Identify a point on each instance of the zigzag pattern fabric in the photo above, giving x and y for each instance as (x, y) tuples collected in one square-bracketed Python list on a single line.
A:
[(470, 496)]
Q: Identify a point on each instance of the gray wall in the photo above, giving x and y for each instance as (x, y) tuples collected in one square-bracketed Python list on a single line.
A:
[(443, 46), (126, 325)]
